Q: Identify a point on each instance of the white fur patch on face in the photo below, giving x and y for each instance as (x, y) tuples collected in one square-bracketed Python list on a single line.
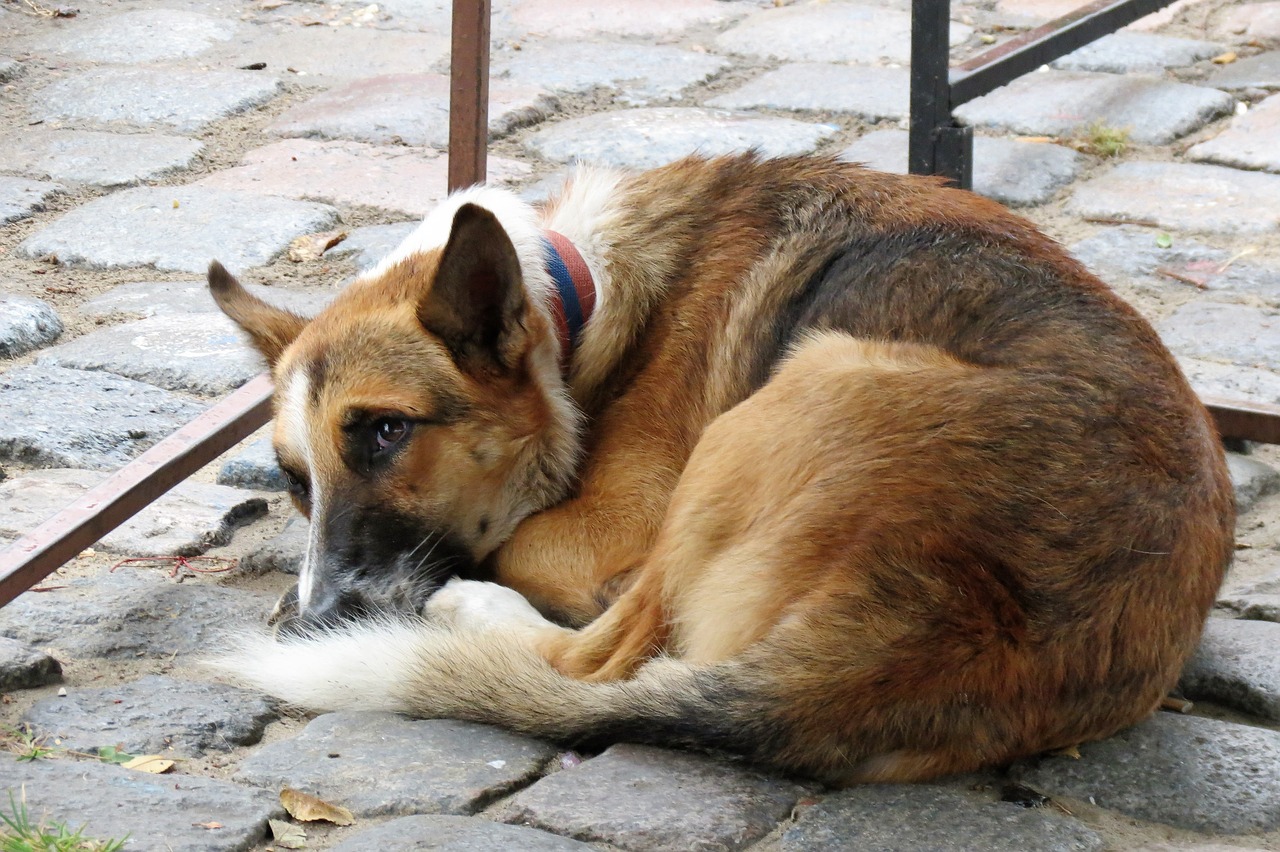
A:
[(293, 431)]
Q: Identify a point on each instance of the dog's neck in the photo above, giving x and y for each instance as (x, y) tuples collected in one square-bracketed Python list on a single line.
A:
[(574, 295)]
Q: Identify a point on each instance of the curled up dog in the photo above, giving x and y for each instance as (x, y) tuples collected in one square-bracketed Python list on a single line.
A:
[(855, 475)]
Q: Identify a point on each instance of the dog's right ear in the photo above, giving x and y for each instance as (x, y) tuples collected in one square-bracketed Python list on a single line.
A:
[(270, 328)]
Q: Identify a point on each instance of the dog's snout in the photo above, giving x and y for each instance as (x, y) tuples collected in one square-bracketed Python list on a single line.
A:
[(325, 611)]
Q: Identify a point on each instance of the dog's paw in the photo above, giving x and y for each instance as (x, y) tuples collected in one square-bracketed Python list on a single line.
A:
[(473, 605)]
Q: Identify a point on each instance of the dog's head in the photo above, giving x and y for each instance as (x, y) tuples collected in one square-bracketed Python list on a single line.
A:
[(419, 418)]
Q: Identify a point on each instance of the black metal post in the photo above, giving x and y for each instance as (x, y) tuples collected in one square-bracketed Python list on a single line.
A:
[(937, 145)]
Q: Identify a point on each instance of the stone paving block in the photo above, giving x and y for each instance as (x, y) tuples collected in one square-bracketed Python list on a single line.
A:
[(640, 74), (284, 553), (210, 357), (1129, 53), (154, 715), (410, 109), (26, 324), (1182, 196), (828, 32), (1019, 174), (869, 93), (1251, 142), (1222, 331), (1062, 103), (1213, 379), (644, 138), (1252, 480), (53, 417), (353, 173), (370, 244), (567, 19), (21, 197), (171, 98), (135, 613), (1252, 72), (907, 817), (1248, 22), (1043, 10), (253, 467), (638, 797), (390, 765), (23, 667), (158, 813), (330, 54), (1236, 665), (455, 834), (1129, 255), (178, 228), (188, 519), (95, 158), (134, 38), (166, 298)]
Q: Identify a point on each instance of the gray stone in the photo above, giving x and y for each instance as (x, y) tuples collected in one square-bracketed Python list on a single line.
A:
[(133, 613), (869, 93), (1252, 72), (828, 32), (95, 158), (183, 298), (1213, 379), (640, 74), (1019, 174), (1258, 601), (52, 417), (371, 244), (26, 324), (207, 357), (333, 54), (21, 197), (174, 98), (906, 818), (645, 138), (178, 228), (10, 69), (158, 813), (1129, 53), (23, 667), (638, 797), (1250, 22), (1252, 479), (389, 765), (254, 467), (154, 715), (1182, 196), (455, 834), (1184, 771), (1063, 103), (283, 553), (1221, 331), (1249, 143), (188, 519), (135, 38), (1236, 665), (411, 109)]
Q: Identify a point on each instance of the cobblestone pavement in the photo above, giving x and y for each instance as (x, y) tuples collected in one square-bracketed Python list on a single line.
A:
[(140, 138)]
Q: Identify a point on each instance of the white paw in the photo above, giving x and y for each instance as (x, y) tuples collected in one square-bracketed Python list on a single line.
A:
[(474, 605)]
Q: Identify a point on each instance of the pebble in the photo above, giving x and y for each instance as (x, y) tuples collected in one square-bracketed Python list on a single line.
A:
[(95, 158), (440, 833), (1236, 666), (26, 324), (639, 797), (22, 197), (23, 667)]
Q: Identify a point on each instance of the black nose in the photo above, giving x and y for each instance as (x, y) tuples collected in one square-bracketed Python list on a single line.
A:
[(325, 613)]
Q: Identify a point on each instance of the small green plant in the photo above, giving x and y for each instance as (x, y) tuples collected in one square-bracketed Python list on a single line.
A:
[(19, 834), (24, 743), (1102, 140)]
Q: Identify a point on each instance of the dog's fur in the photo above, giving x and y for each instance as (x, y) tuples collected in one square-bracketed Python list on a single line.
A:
[(856, 475)]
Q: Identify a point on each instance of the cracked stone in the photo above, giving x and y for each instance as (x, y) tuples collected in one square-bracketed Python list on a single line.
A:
[(23, 667), (455, 834), (26, 324), (869, 93), (1236, 666), (95, 158), (21, 197)]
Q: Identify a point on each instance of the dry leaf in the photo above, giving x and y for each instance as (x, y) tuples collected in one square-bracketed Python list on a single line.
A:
[(307, 808), (208, 826), (1224, 58), (1072, 752), (311, 246), (153, 763), (287, 835)]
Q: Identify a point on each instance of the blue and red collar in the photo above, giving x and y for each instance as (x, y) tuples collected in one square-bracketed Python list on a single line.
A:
[(575, 290)]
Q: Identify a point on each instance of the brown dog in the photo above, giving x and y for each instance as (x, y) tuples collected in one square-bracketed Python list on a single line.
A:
[(853, 474)]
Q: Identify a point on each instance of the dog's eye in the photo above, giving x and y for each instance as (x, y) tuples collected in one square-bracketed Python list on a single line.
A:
[(297, 486), (388, 432)]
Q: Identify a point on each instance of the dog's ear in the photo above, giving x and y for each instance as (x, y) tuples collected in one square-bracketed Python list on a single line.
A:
[(476, 303), (270, 328)]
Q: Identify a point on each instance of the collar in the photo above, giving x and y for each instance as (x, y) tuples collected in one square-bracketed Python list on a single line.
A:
[(575, 291)]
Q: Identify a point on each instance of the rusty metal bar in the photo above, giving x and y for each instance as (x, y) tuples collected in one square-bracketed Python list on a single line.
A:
[(129, 490), (1247, 421), (469, 94)]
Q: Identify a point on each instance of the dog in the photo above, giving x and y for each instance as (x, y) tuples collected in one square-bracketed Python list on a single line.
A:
[(855, 475)]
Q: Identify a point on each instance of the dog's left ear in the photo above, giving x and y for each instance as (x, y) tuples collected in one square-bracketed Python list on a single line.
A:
[(271, 329), (477, 300)]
